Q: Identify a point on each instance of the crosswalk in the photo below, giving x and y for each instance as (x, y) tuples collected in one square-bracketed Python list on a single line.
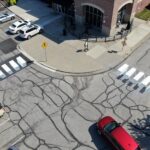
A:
[(13, 65), (134, 76)]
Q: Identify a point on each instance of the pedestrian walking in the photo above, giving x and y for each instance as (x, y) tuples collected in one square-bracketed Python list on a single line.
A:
[(86, 46)]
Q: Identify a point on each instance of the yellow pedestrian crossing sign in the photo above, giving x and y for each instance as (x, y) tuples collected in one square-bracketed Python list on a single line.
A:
[(44, 45)]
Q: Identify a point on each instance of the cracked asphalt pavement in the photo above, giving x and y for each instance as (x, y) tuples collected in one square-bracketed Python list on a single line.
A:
[(47, 110)]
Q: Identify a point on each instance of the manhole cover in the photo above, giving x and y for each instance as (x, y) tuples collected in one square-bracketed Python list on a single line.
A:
[(7, 46)]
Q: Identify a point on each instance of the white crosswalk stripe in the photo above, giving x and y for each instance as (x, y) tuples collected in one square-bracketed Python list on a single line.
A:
[(7, 69), (12, 66)]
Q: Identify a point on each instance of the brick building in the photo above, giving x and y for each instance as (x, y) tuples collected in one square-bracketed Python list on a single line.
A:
[(102, 14), (105, 14)]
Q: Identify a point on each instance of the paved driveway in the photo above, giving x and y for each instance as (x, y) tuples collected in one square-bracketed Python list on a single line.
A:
[(35, 11), (50, 111)]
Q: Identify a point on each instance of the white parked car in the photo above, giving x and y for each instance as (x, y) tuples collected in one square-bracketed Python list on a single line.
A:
[(6, 17), (29, 31), (18, 25)]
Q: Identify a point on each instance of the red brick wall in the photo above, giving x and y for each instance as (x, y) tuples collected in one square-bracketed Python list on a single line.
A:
[(141, 5), (137, 6), (106, 5)]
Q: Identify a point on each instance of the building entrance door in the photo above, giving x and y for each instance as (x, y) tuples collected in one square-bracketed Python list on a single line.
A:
[(93, 17), (121, 14)]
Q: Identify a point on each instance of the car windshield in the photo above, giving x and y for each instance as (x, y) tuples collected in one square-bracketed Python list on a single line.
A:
[(22, 32), (138, 148), (111, 126), (13, 25), (30, 26), (2, 16)]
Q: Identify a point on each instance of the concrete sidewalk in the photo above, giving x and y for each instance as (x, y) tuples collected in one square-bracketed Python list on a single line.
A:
[(133, 40), (68, 56)]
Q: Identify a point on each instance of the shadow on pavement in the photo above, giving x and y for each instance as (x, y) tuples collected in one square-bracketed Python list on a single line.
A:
[(130, 83), (136, 87), (80, 50), (8, 33), (19, 39), (119, 77), (140, 129), (99, 141), (125, 80), (143, 90)]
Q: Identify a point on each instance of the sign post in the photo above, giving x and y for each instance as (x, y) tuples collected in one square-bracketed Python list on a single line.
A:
[(44, 46)]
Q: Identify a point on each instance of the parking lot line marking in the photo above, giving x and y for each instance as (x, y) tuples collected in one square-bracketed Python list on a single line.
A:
[(18, 140), (4, 122)]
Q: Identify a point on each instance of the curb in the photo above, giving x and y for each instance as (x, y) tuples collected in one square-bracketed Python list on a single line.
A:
[(49, 68), (19, 48)]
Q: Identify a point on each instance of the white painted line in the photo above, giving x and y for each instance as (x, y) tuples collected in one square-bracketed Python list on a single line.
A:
[(7, 69), (17, 140), (21, 61), (2, 75), (14, 65), (4, 122)]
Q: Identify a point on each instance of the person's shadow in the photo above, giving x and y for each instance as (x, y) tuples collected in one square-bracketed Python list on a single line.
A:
[(99, 141)]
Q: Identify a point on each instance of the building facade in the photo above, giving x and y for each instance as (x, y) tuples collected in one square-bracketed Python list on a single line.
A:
[(103, 15)]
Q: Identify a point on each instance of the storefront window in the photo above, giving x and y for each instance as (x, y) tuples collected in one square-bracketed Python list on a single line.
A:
[(93, 16)]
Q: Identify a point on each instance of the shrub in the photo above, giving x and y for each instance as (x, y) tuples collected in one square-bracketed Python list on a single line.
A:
[(12, 2)]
